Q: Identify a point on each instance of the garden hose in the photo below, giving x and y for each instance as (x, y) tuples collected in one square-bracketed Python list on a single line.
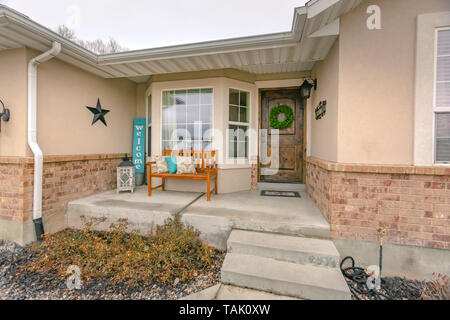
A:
[(358, 277)]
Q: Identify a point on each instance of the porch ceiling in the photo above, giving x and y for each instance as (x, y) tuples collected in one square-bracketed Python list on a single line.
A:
[(314, 31)]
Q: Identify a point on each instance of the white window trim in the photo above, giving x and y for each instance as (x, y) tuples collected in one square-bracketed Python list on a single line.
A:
[(435, 108), (424, 93), (181, 89), (236, 160)]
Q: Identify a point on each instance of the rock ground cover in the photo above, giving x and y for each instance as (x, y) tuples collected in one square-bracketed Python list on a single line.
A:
[(168, 265)]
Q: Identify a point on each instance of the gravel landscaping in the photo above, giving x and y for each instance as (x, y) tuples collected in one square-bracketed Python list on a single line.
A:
[(18, 281)]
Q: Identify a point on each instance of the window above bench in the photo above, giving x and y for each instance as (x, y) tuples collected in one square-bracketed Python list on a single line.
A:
[(187, 119)]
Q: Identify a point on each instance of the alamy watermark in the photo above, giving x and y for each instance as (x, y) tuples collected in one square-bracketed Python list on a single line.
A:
[(73, 282), (374, 20)]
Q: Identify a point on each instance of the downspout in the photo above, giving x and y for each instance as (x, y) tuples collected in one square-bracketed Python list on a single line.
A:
[(32, 135)]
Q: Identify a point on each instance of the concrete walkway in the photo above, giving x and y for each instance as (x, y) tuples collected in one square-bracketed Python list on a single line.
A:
[(215, 219), (229, 293)]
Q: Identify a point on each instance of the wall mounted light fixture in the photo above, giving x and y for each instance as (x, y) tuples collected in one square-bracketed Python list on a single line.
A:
[(4, 115), (305, 89)]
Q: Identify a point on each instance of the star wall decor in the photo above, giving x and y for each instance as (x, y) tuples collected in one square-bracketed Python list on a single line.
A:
[(99, 113)]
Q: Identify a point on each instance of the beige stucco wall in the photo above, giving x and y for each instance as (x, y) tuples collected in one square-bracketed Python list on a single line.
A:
[(376, 82), (64, 124), (324, 132), (13, 92)]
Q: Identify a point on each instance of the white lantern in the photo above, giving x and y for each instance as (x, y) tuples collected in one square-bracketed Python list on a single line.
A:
[(126, 176)]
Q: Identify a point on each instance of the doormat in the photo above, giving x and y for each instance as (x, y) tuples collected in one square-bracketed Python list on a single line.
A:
[(284, 194)]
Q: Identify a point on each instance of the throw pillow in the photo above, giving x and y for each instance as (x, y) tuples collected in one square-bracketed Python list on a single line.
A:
[(172, 163), (161, 165), (185, 165)]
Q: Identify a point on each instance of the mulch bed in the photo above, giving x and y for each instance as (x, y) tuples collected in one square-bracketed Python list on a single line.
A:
[(398, 288), (16, 284)]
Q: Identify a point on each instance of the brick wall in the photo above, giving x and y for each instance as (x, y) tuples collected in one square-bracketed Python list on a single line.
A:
[(14, 188), (411, 203), (64, 179)]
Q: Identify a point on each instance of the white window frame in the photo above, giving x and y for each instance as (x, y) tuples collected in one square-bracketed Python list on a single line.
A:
[(186, 89), (237, 123), (435, 108)]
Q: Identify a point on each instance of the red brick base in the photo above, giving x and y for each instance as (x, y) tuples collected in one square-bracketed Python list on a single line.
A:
[(411, 203), (65, 178)]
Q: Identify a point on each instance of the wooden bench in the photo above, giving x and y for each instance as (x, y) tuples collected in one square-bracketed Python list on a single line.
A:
[(206, 166)]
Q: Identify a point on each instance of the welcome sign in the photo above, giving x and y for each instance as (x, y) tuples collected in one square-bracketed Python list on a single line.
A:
[(139, 144)]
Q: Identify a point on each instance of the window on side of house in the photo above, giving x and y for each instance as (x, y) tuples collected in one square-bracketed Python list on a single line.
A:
[(442, 97), (238, 124), (187, 119)]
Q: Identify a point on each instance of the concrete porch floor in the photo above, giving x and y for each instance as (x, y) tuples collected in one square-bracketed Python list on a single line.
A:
[(215, 219)]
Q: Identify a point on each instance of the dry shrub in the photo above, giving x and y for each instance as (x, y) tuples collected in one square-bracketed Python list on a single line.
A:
[(172, 251), (438, 289)]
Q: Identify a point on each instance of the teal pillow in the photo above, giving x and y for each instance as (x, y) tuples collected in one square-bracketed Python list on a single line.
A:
[(172, 163)]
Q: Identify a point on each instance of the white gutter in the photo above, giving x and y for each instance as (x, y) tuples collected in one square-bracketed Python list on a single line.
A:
[(32, 127)]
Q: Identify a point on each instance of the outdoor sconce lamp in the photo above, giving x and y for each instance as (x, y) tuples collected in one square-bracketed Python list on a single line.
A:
[(126, 176), (305, 89), (4, 115)]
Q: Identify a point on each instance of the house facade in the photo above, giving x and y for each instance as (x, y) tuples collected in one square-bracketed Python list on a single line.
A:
[(371, 143)]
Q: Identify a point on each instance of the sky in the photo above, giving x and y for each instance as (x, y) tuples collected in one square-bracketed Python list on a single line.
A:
[(141, 24)]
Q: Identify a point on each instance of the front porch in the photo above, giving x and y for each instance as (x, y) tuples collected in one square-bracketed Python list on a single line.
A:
[(215, 220)]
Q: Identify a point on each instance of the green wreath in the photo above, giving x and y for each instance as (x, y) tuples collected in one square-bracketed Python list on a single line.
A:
[(275, 113)]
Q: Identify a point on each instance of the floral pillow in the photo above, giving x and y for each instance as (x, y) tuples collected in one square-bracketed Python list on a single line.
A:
[(185, 165), (161, 165)]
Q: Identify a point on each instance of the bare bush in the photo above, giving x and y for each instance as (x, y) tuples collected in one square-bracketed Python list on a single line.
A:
[(98, 46)]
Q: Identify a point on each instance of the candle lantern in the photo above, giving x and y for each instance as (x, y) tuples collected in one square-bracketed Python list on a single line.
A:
[(126, 176)]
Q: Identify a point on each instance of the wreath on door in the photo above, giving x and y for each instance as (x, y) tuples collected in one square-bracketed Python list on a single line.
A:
[(275, 123)]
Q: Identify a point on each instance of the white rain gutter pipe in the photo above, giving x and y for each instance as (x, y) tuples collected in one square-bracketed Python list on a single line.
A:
[(32, 135)]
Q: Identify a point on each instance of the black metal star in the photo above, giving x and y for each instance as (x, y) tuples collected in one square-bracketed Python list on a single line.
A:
[(99, 113)]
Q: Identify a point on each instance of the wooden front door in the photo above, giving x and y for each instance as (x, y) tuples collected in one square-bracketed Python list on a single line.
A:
[(291, 139)]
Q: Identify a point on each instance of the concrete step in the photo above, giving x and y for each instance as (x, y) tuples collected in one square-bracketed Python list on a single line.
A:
[(284, 278), (281, 186), (284, 248)]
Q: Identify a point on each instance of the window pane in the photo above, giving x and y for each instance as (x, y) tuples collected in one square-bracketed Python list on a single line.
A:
[(443, 42), (245, 98), (443, 69), (243, 115), (169, 114), (193, 97), (206, 114), (241, 150), (234, 97), (181, 114), (168, 98), (180, 97), (234, 113), (443, 137), (443, 94), (206, 96), (237, 142), (443, 150), (443, 125), (167, 145), (193, 114), (207, 132)]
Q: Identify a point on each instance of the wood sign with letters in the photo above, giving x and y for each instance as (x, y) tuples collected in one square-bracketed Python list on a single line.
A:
[(139, 144), (321, 110)]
